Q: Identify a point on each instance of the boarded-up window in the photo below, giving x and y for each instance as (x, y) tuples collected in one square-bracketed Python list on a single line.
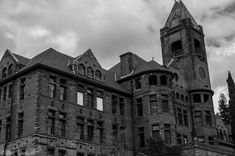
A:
[(80, 98)]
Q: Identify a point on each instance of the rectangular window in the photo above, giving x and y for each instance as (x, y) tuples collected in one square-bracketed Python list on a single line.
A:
[(4, 93), (141, 136), (201, 139), (167, 132), (90, 98), (100, 128), (62, 93), (52, 87), (139, 105), (61, 153), (62, 124), (121, 106), (208, 118), (185, 139), (115, 133), (155, 131), (80, 154), (80, 127), (165, 106), (180, 116), (197, 98), (50, 152), (211, 140), (90, 130), (198, 118), (185, 112), (100, 104), (22, 88), (138, 83), (0, 95), (63, 88), (179, 139), (0, 128), (51, 122), (20, 124), (114, 104), (80, 97), (8, 128), (206, 98), (153, 104), (10, 91)]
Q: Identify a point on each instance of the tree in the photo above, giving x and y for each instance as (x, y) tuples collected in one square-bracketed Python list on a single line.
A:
[(156, 147), (231, 91), (224, 109)]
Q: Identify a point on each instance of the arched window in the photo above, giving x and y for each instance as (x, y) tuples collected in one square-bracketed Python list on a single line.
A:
[(10, 69), (182, 97), (152, 80), (197, 44), (4, 72), (177, 96), (90, 72), (163, 80), (98, 74), (81, 69), (177, 45)]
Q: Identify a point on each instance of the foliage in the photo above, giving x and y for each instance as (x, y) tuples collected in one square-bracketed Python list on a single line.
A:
[(224, 109), (156, 147), (231, 90)]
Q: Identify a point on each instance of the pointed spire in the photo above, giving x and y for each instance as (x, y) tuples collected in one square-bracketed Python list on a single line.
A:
[(178, 13)]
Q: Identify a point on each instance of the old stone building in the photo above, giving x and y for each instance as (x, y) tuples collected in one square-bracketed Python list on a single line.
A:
[(55, 104)]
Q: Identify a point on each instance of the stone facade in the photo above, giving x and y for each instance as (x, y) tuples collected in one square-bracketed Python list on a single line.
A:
[(54, 104)]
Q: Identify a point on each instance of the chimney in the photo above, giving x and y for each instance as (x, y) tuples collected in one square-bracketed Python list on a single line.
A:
[(126, 60)]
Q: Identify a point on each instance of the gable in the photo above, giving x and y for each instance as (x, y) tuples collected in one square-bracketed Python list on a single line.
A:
[(87, 65), (8, 64)]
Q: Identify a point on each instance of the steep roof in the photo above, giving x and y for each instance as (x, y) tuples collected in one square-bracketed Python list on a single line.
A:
[(178, 13), (22, 60), (52, 58), (151, 65)]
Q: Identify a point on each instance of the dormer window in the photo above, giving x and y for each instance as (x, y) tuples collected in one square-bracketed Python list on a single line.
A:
[(98, 74), (4, 72), (90, 72), (81, 69), (10, 69)]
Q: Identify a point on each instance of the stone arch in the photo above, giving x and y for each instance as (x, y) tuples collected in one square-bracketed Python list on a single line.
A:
[(4, 72)]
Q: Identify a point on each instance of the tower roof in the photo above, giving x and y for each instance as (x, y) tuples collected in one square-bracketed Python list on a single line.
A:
[(178, 13)]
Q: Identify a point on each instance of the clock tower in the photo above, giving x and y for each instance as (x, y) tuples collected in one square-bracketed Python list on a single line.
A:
[(182, 41)]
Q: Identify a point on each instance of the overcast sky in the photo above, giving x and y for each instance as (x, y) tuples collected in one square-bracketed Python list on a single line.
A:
[(112, 27)]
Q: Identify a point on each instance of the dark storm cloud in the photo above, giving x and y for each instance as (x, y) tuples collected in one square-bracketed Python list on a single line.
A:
[(112, 27), (226, 10)]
